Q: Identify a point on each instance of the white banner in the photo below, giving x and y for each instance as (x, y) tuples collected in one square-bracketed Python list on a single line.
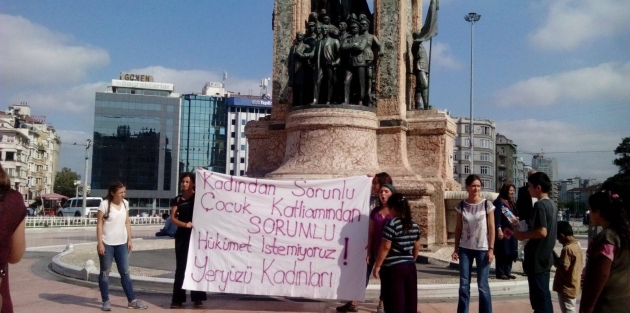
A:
[(284, 238)]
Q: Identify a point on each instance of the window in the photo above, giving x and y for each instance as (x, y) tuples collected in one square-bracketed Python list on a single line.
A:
[(243, 147), (233, 135), (485, 143), (466, 155), (232, 147), (501, 174), (486, 130), (242, 172), (455, 156), (243, 135), (485, 170), (466, 169), (467, 129), (485, 183), (232, 160), (10, 156), (233, 122), (485, 156), (242, 160), (466, 142), (232, 172), (243, 122)]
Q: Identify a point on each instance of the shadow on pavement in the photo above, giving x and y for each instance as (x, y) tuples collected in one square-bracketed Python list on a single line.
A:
[(72, 299)]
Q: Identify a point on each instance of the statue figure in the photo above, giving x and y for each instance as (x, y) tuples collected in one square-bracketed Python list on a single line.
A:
[(343, 31), (296, 69), (310, 41), (325, 57), (355, 71), (420, 59), (343, 64), (420, 70), (332, 29), (372, 43)]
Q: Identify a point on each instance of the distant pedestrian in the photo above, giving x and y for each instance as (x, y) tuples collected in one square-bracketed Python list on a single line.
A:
[(607, 272), (474, 240), (113, 234), (506, 245), (169, 228), (542, 238), (396, 260), (569, 268), (12, 236), (181, 216), (382, 189)]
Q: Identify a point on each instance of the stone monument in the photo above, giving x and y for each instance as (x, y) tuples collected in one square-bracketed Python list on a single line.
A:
[(304, 140)]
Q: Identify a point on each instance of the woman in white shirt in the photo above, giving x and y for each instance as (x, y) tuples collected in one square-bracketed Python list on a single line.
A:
[(474, 240), (113, 233)]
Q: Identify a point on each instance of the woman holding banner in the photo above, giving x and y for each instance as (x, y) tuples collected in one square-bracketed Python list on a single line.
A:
[(397, 256), (181, 215), (382, 189)]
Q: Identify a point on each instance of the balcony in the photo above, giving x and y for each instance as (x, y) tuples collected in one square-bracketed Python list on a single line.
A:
[(502, 165), (501, 154)]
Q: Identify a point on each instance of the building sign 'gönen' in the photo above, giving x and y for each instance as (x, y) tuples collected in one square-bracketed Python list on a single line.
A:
[(136, 77)]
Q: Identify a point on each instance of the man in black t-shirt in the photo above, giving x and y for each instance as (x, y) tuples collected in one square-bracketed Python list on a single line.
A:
[(524, 201), (542, 238)]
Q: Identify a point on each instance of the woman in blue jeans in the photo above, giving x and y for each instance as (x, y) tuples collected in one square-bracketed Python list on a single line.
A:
[(113, 233), (474, 240)]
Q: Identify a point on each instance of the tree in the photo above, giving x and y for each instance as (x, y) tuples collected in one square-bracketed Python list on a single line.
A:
[(621, 182), (64, 182)]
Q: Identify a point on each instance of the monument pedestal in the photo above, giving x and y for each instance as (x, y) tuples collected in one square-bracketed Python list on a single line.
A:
[(325, 141)]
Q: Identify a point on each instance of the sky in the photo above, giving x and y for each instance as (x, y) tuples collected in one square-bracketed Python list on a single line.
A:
[(553, 74)]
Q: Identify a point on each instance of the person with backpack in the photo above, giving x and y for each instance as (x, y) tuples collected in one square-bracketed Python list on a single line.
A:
[(113, 234), (474, 240)]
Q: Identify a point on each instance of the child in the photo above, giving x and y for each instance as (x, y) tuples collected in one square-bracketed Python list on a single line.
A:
[(607, 272), (542, 238), (569, 268)]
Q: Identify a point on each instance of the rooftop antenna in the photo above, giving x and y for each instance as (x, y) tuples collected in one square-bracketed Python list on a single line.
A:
[(264, 83), (224, 79)]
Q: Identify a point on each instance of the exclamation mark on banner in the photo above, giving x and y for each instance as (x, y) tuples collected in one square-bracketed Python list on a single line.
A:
[(345, 252)]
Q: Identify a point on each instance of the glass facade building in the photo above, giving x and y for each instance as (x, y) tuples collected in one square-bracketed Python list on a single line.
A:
[(202, 134), (136, 139)]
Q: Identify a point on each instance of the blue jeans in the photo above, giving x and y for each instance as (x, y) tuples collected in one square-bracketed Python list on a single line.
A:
[(466, 257), (121, 255), (539, 294)]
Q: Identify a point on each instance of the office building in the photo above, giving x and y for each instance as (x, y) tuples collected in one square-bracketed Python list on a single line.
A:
[(29, 151), (506, 161), (484, 150), (242, 109), (136, 141), (550, 167), (203, 133)]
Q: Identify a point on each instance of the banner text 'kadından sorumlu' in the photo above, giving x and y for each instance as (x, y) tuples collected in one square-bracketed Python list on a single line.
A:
[(284, 238)]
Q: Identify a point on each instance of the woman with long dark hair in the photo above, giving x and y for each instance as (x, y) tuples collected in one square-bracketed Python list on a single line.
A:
[(12, 236), (396, 260), (606, 287), (113, 234), (181, 215), (382, 189), (474, 241), (505, 245)]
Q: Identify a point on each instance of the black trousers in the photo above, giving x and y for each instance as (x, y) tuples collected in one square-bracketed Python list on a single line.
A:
[(182, 239), (539, 294), (503, 264), (399, 288)]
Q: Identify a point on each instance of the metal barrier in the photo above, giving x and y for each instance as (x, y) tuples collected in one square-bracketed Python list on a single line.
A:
[(56, 221)]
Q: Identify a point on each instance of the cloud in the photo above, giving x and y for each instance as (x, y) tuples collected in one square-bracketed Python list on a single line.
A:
[(571, 23), (72, 100), (443, 56), (192, 81), (532, 136), (33, 55), (607, 81), (72, 156)]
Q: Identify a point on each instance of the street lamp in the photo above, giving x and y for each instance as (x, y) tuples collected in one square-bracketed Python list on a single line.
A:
[(472, 18)]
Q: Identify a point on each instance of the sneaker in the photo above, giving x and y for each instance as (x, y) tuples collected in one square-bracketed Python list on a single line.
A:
[(380, 309), (175, 305), (348, 307), (137, 304), (198, 303), (107, 306)]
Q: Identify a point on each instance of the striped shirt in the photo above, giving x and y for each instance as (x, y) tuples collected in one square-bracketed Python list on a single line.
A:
[(402, 243)]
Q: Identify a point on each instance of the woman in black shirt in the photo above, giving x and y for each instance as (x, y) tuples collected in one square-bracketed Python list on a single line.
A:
[(181, 215)]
